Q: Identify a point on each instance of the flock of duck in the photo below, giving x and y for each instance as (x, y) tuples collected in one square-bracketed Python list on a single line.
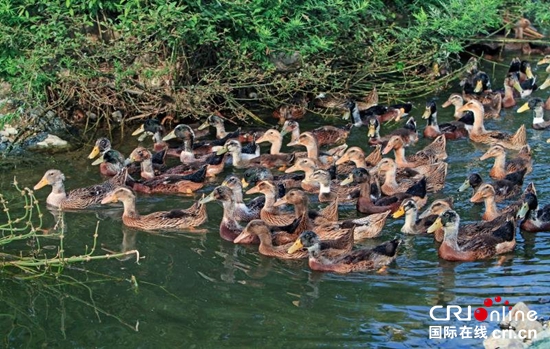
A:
[(281, 220)]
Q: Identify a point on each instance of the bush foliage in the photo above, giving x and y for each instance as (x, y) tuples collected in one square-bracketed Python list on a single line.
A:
[(154, 57)]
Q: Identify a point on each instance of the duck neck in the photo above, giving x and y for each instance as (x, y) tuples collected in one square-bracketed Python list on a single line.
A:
[(157, 138), (129, 207), (499, 167), (356, 115), (389, 179), (237, 158), (538, 115), (295, 134), (220, 130), (238, 195), (458, 104), (188, 145), (478, 127), (410, 222), (451, 237), (508, 92), (365, 190), (324, 188), (229, 213), (300, 209), (400, 158), (308, 172), (147, 171), (432, 121), (57, 195), (276, 146), (313, 150), (270, 198), (265, 240), (491, 209)]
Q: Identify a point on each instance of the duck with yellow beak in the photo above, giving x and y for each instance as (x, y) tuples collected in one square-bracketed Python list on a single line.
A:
[(537, 106)]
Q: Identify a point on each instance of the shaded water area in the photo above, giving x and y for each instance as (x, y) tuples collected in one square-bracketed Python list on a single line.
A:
[(196, 290)]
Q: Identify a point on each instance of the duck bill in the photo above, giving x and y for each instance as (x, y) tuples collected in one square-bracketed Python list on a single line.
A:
[(387, 149), (522, 211), (253, 190), (293, 144), (109, 198), (222, 151), (427, 113), (244, 183), (98, 161), (347, 180), (244, 237), (478, 197), (435, 226), (262, 139), (282, 201), (517, 86), (208, 198), (203, 125), (544, 61), (296, 246), (139, 130), (399, 212), (94, 152), (529, 73), (346, 115), (292, 169), (43, 182), (169, 136), (545, 84), (283, 132), (446, 104), (372, 131), (342, 160), (524, 107), (464, 186), (484, 156), (479, 87)]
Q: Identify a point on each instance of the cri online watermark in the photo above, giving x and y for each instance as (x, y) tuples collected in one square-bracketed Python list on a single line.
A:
[(441, 313)]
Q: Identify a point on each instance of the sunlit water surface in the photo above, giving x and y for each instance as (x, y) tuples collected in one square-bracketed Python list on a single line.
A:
[(199, 291)]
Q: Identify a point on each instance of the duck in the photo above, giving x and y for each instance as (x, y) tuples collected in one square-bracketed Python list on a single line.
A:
[(310, 218), (501, 168), (436, 208), (270, 213), (241, 211), (325, 135), (508, 100), (359, 260), (506, 188), (234, 148), (154, 128), (526, 87), (308, 166), (177, 219), (537, 106), (408, 133), (102, 146), (359, 159), (536, 219), (184, 183), (432, 153), (477, 83), (80, 198), (413, 224), (322, 160), (499, 239), (294, 110), (110, 163), (253, 175), (328, 193), (479, 134), (456, 100), (230, 228), (218, 123), (451, 130), (545, 60), (371, 204), (486, 193), (434, 175), (338, 101)]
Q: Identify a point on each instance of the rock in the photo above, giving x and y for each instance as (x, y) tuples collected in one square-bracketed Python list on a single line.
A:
[(493, 342), (52, 141)]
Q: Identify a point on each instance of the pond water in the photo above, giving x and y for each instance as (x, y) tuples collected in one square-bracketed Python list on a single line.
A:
[(199, 291)]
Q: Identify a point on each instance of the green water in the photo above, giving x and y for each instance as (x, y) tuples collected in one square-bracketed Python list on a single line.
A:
[(199, 291)]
